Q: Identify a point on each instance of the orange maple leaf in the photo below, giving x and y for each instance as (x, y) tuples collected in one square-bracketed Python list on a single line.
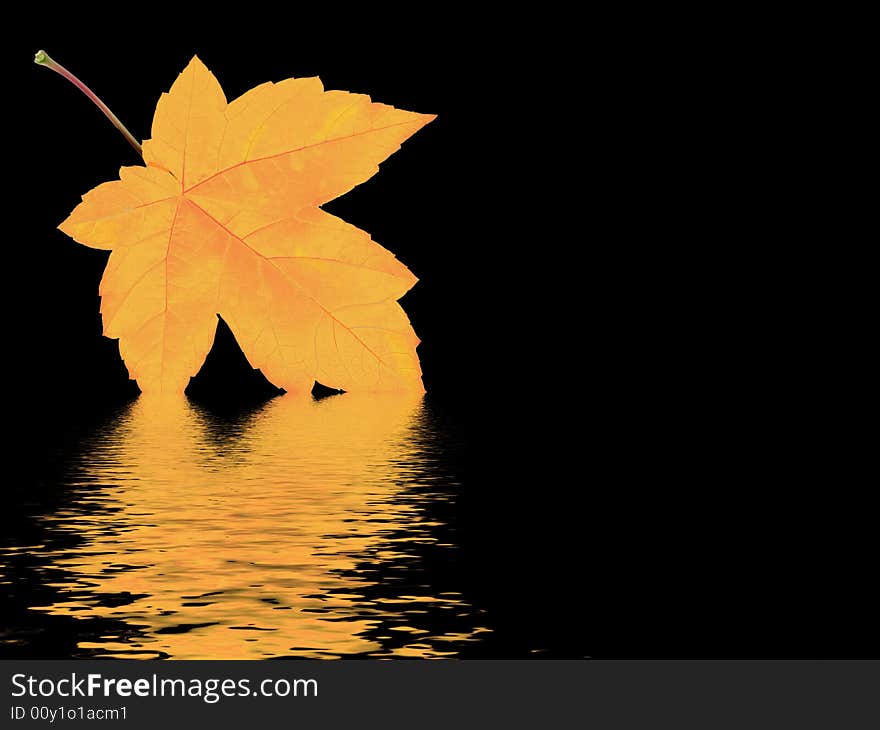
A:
[(225, 219)]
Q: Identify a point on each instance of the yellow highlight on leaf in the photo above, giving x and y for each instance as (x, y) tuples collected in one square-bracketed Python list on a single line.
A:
[(225, 219)]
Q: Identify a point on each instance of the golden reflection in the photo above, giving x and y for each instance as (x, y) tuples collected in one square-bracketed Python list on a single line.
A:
[(242, 539)]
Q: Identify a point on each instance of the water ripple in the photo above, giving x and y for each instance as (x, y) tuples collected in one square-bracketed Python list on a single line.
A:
[(301, 528)]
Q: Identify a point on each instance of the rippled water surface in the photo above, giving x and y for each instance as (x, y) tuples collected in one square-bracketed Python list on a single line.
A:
[(301, 528)]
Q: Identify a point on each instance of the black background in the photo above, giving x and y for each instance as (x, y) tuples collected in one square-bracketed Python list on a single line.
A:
[(608, 308)]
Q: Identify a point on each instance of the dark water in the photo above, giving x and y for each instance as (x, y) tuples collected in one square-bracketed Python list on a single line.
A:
[(301, 528)]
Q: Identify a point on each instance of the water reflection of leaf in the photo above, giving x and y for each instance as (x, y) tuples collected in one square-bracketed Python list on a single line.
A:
[(245, 538)]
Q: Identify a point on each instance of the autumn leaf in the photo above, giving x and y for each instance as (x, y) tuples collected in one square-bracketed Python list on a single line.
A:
[(225, 219)]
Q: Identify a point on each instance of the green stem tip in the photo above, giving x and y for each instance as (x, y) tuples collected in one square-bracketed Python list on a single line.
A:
[(43, 59)]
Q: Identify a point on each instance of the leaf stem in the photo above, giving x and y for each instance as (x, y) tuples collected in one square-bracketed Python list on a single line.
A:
[(42, 59)]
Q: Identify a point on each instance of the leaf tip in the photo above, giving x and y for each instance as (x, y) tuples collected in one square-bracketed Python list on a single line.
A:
[(425, 119), (69, 224), (196, 63)]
